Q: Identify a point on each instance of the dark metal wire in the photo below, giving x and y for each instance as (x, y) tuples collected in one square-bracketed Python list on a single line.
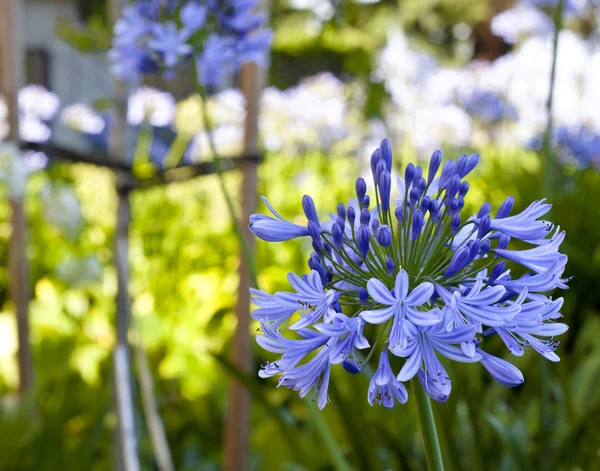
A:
[(180, 173)]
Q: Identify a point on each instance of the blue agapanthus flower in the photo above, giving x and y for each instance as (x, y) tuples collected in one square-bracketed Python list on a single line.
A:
[(414, 280), (579, 145), (489, 106), (217, 36)]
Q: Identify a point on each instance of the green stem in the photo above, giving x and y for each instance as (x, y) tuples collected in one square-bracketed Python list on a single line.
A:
[(228, 200), (433, 453), (142, 144), (340, 462), (545, 380), (176, 151), (547, 144)]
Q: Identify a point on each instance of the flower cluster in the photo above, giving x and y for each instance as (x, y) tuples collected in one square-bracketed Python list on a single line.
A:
[(37, 108), (580, 144), (417, 279), (218, 36), (489, 107)]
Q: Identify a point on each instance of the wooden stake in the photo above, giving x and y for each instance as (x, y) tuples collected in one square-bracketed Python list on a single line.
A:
[(11, 78), (237, 422), (128, 446), (156, 428)]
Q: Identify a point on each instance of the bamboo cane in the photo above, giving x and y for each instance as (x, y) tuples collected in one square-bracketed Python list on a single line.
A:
[(11, 77)]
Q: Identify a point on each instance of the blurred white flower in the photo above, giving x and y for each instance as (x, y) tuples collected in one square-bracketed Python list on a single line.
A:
[(228, 141), (228, 107), (33, 129), (62, 209), (434, 125), (83, 118), (149, 105), (80, 271), (521, 21), (16, 167), (312, 114), (403, 69), (4, 128), (35, 101)]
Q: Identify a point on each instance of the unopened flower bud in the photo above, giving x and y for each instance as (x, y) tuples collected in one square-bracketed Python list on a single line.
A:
[(505, 208), (308, 205), (337, 236), (409, 173), (386, 153), (447, 173), (351, 215), (384, 235), (385, 188), (461, 165), (417, 224), (315, 233), (374, 225), (485, 209), (390, 266), (361, 188), (434, 165), (362, 240), (363, 296), (365, 216), (484, 226), (455, 223), (399, 213), (366, 202)]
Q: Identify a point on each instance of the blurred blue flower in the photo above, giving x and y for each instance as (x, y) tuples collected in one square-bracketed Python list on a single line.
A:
[(170, 43), (489, 106), (581, 145), (437, 284), (216, 61), (193, 16), (131, 27), (143, 44)]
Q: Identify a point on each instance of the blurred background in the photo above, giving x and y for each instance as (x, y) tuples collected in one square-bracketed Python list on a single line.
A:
[(463, 76)]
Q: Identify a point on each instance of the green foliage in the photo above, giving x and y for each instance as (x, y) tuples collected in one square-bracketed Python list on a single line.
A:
[(93, 37), (184, 258)]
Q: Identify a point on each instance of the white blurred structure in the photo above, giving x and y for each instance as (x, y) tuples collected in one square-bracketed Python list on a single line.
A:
[(3, 118), (72, 76), (151, 106), (83, 118), (430, 104)]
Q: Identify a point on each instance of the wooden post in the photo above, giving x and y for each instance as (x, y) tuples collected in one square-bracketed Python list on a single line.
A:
[(122, 361), (237, 421), (11, 78), (128, 447)]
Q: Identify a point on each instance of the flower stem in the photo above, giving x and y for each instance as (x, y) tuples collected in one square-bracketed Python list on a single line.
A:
[(228, 200), (545, 379), (431, 442), (331, 444), (547, 138)]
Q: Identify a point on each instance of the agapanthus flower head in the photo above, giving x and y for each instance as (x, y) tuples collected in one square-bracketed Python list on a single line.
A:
[(489, 106), (83, 118), (420, 282), (149, 105), (217, 37), (580, 145), (38, 102)]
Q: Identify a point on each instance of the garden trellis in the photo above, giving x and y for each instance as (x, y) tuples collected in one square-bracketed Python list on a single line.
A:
[(175, 232), (127, 181)]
